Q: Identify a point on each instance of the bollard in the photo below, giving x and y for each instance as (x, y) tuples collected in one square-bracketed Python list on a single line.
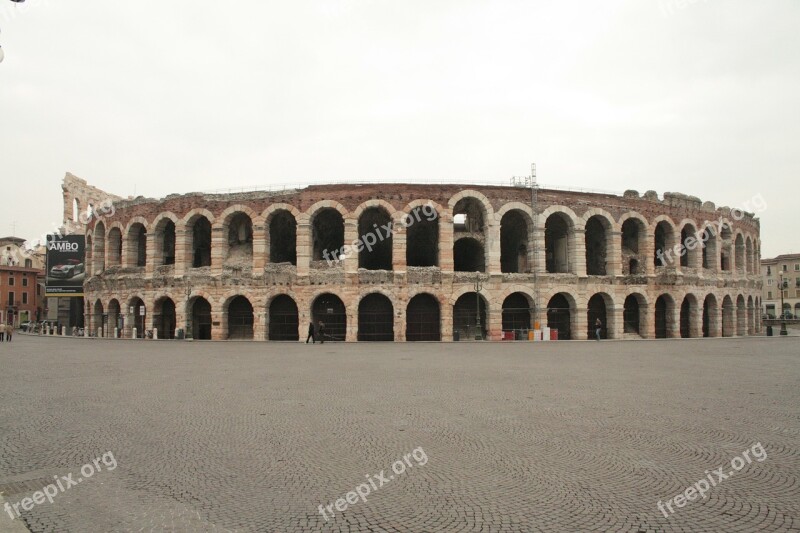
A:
[(64, 331), (133, 333), (116, 333), (99, 332), (155, 333)]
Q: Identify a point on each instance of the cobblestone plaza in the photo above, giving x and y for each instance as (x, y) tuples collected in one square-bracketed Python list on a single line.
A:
[(248, 436)]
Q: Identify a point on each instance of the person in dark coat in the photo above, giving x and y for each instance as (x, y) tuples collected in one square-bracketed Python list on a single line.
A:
[(321, 332), (598, 328), (311, 333)]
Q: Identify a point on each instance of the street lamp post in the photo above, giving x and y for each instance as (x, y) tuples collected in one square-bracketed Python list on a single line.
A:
[(1, 49), (478, 287), (783, 285)]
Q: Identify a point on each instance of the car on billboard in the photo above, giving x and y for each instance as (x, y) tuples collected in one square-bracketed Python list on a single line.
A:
[(69, 269)]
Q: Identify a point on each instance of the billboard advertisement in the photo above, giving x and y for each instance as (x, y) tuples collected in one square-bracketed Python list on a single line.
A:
[(66, 269)]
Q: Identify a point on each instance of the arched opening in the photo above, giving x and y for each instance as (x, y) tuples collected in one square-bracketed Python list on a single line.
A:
[(728, 317), (751, 316), (329, 311), (632, 314), (76, 210), (114, 320), (240, 318), (688, 318), (284, 321), (468, 255), (375, 318), (283, 238), (596, 235), (741, 316), (422, 237), (114, 247), (99, 248), (557, 230), (749, 256), (725, 257), (200, 229), (559, 316), (688, 246), (710, 252), (517, 309), (327, 234), (596, 310), (663, 244), (375, 231), (465, 317), (239, 232), (137, 309), (665, 316), (200, 311), (739, 246), (137, 245), (633, 234), (423, 320), (514, 245), (98, 322), (165, 242), (164, 318), (89, 256)]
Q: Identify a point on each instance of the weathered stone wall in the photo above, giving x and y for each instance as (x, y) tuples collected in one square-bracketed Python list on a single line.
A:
[(252, 275)]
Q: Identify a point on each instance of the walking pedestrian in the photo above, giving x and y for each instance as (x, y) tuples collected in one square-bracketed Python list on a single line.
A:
[(2, 332), (321, 332), (311, 333), (598, 327), (9, 331)]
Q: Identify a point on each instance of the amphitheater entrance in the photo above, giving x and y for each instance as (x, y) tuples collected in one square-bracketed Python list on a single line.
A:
[(423, 320), (201, 319), (517, 315), (465, 317), (284, 322), (559, 316), (372, 230), (329, 309), (375, 318), (514, 229), (468, 256), (138, 318), (164, 318), (283, 237), (663, 316), (240, 319), (597, 310), (688, 319), (631, 315), (201, 241), (728, 317), (556, 242)]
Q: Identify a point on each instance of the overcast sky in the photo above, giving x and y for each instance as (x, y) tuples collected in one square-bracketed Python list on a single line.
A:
[(699, 97)]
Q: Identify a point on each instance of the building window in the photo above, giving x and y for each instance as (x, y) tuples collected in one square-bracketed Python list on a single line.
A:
[(797, 283), (28, 263), (797, 267), (769, 295), (10, 281), (10, 298), (769, 282), (769, 270), (785, 268), (38, 290), (24, 282), (24, 298)]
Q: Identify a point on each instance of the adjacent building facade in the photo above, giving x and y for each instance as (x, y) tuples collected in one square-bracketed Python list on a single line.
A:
[(787, 268), (21, 283), (408, 262)]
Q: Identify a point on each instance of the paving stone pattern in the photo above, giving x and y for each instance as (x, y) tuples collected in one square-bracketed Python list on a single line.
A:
[(247, 436)]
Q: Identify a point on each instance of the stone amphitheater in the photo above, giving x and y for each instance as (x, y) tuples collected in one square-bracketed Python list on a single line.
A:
[(419, 262)]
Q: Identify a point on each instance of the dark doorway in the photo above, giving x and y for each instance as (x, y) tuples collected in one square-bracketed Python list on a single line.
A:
[(201, 320), (329, 309), (284, 322), (375, 318), (423, 319), (465, 317), (240, 319), (559, 316)]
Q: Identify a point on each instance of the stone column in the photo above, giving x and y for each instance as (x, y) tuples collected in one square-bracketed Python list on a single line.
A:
[(446, 241), (446, 312), (647, 328), (259, 247), (696, 321), (351, 259), (615, 323), (260, 332), (219, 248), (577, 256), (580, 324), (614, 254), (494, 328), (492, 243), (539, 245), (219, 326), (648, 253), (399, 243), (150, 247), (181, 252), (400, 321), (303, 247)]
